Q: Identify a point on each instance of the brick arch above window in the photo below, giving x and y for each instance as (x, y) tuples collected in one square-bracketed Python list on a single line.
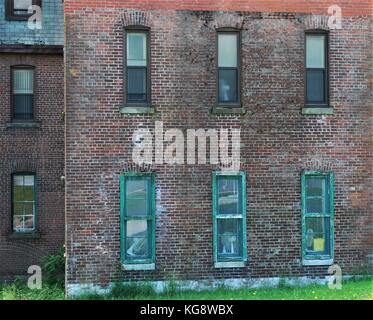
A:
[(318, 165), (316, 22), (228, 21), (136, 18), (22, 166)]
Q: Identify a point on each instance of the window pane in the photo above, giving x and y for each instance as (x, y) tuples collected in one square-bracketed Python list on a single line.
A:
[(23, 81), (18, 209), (227, 47), (315, 187), (230, 237), (137, 197), (317, 235), (23, 106), (315, 86), (228, 196), (136, 49), (228, 85), (315, 55), (137, 240), (22, 4), (136, 84)]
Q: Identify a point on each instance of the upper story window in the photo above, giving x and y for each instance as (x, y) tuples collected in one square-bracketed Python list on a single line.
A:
[(23, 93), (137, 67), (19, 9), (229, 68), (316, 69), (23, 202)]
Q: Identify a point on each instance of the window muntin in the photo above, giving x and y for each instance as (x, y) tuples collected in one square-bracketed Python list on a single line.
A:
[(317, 215), (23, 202), (316, 69), (137, 66), (229, 217), (138, 218), (23, 93), (228, 68)]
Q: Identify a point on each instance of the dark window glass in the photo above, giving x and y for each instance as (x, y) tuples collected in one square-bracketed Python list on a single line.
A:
[(315, 86), (136, 84), (228, 85)]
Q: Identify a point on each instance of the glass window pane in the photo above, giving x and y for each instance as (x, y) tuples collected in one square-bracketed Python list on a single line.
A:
[(315, 55), (230, 237), (136, 84), (137, 239), (227, 47), (136, 49), (315, 86), (23, 106), (317, 235), (228, 196), (22, 4), (23, 81), (17, 223), (29, 222), (315, 187), (228, 85), (18, 209), (137, 188)]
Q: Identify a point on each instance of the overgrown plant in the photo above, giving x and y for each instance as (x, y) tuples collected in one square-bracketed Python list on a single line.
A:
[(53, 267)]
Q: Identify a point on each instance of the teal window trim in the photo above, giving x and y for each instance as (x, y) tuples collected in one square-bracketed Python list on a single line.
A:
[(330, 214), (215, 177), (35, 206), (124, 218)]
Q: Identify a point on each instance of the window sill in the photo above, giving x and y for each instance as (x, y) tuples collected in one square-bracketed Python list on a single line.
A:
[(138, 266), (24, 235), (228, 110), (317, 110), (317, 262), (23, 124), (230, 264), (137, 110)]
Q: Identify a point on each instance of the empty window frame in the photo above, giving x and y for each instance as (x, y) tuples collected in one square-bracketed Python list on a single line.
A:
[(229, 64), (23, 92), (229, 217), (137, 66), (137, 218), (24, 202), (317, 79), (317, 215)]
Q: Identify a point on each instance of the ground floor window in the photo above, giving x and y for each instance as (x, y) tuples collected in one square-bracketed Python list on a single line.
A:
[(23, 202), (229, 216), (317, 215), (137, 195)]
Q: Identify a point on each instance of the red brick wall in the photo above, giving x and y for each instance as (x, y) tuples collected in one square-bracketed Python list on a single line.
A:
[(39, 150), (278, 142), (349, 7)]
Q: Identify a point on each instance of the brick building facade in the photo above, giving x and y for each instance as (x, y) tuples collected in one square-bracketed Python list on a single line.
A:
[(287, 145), (32, 135)]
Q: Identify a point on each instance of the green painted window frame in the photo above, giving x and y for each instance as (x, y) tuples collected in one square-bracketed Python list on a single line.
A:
[(22, 174), (330, 215), (124, 217), (215, 177)]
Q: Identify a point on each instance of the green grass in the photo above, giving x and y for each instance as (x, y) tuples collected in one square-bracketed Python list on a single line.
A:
[(351, 290)]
